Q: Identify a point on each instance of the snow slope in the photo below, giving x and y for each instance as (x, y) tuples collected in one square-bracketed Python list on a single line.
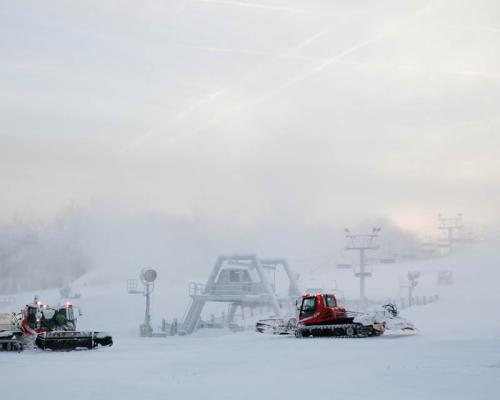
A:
[(455, 355)]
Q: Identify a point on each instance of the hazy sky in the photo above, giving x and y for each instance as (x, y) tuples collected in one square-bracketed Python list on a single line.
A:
[(315, 112)]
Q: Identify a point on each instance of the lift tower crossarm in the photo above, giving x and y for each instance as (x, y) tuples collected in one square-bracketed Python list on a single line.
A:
[(450, 225), (362, 243)]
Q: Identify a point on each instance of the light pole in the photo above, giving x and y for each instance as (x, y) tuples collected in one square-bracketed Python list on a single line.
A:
[(362, 243)]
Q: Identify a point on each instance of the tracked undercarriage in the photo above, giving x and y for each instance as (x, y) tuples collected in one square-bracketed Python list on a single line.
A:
[(57, 341), (72, 340), (11, 341), (345, 329)]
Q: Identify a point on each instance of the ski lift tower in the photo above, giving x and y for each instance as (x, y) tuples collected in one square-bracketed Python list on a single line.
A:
[(450, 225), (412, 284), (362, 243), (147, 276), (240, 280)]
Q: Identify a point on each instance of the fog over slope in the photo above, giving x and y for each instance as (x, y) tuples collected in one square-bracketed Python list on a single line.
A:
[(38, 254), (182, 129)]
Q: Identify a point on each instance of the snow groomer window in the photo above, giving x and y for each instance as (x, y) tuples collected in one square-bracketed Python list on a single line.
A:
[(308, 306), (330, 301)]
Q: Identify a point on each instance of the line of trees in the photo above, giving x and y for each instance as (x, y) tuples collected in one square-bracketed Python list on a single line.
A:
[(37, 255)]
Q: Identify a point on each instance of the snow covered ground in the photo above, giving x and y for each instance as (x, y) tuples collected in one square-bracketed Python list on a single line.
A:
[(250, 366), (455, 355)]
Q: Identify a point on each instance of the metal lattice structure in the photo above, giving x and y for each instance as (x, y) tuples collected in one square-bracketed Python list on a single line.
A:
[(362, 243), (241, 281), (449, 225)]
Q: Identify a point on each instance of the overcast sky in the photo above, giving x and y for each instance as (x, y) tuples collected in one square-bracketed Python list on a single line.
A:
[(309, 112)]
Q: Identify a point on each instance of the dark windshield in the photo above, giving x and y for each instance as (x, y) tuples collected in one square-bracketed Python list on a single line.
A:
[(32, 318), (330, 301), (308, 306), (47, 319), (64, 318), (57, 319)]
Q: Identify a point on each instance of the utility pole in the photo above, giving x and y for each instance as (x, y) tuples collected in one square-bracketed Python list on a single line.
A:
[(362, 243), (450, 225)]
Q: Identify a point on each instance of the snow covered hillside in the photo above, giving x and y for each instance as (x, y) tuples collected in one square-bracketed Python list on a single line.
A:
[(455, 355)]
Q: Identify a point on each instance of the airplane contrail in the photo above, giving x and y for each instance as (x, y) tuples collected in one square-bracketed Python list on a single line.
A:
[(290, 10), (418, 69), (492, 29), (225, 50), (327, 62), (256, 5), (213, 96), (291, 82), (338, 58), (474, 28), (430, 6), (284, 55), (404, 67)]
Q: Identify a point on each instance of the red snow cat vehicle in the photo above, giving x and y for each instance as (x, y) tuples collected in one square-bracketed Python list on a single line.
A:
[(320, 316), (48, 328)]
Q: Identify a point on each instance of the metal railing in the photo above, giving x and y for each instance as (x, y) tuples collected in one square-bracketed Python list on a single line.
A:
[(196, 289), (405, 302), (7, 300), (233, 288)]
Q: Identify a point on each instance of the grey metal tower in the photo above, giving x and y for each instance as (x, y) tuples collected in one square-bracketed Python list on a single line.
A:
[(450, 225), (362, 243), (242, 280)]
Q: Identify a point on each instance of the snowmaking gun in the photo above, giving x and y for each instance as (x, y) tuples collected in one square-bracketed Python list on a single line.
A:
[(47, 328), (320, 316)]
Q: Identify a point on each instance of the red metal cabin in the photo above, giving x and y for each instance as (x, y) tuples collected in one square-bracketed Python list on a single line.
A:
[(321, 309)]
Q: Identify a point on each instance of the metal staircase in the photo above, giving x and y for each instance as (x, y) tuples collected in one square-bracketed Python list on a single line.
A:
[(192, 317)]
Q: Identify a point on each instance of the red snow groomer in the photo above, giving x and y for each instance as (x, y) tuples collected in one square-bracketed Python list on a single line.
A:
[(320, 315), (53, 328)]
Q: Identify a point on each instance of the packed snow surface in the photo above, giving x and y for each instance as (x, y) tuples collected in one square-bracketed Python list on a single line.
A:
[(454, 355)]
